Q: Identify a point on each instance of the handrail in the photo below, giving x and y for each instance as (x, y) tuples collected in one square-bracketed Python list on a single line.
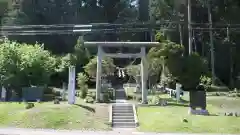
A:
[(110, 115), (135, 115)]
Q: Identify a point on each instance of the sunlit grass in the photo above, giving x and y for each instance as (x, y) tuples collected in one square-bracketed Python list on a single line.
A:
[(48, 115), (170, 118)]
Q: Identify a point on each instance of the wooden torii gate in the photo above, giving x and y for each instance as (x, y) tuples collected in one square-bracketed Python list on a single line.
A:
[(141, 54)]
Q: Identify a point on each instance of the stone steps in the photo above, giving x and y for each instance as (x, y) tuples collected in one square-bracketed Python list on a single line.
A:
[(123, 120), (124, 125), (123, 116)]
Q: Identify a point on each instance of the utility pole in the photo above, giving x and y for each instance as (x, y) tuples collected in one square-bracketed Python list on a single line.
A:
[(231, 53), (211, 42), (189, 27)]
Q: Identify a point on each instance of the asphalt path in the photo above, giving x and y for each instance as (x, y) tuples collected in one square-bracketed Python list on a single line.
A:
[(21, 131)]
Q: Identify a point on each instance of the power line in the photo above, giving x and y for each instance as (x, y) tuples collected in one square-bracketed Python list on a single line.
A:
[(47, 30), (103, 25), (198, 28), (105, 28), (218, 24), (77, 31), (90, 25)]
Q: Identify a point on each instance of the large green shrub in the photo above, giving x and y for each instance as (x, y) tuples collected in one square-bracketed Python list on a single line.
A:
[(175, 66), (38, 64), (194, 67), (169, 58), (25, 65)]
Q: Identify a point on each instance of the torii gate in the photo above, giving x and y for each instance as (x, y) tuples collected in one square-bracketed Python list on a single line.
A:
[(141, 54)]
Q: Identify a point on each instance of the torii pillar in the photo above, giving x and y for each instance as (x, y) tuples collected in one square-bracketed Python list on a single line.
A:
[(144, 76)]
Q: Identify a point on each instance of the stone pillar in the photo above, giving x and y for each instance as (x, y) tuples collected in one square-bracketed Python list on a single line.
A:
[(99, 73), (178, 90), (71, 85), (3, 94), (144, 76)]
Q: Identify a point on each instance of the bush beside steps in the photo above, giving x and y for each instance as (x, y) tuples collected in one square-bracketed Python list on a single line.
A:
[(29, 105)]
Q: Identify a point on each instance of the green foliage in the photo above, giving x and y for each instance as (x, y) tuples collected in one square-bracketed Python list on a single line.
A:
[(187, 70), (89, 99), (91, 94), (36, 63), (154, 66), (24, 64), (9, 63), (79, 57), (206, 81), (169, 80), (65, 62), (29, 105), (108, 67), (133, 70), (84, 91), (169, 60), (82, 79), (160, 36), (82, 54), (169, 55), (194, 68)]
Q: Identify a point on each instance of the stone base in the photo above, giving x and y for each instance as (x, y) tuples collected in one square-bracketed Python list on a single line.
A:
[(198, 112), (163, 103), (97, 101), (144, 102)]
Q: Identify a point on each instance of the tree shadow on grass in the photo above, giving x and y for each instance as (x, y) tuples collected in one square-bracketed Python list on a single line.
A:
[(169, 104), (173, 102), (213, 115), (177, 104), (86, 107), (184, 101)]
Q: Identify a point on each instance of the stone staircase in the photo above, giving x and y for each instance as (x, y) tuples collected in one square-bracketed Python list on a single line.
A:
[(123, 115)]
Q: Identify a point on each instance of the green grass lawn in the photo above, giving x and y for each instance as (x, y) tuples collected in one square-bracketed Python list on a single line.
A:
[(48, 115), (170, 118)]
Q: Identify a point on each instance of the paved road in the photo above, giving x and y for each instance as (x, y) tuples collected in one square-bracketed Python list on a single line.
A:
[(18, 131)]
